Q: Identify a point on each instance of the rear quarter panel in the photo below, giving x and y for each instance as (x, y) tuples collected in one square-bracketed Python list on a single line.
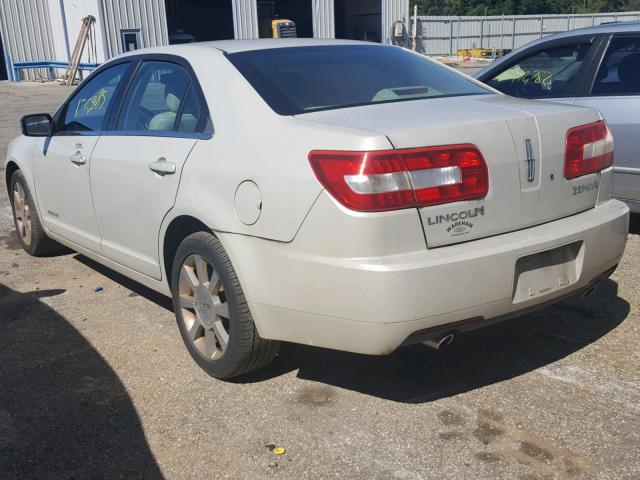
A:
[(251, 142)]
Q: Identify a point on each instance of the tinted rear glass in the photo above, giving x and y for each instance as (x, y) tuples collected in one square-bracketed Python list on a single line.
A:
[(305, 79)]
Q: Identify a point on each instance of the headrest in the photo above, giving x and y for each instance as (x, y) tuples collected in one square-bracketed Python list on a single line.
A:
[(175, 85), (173, 102), (629, 68)]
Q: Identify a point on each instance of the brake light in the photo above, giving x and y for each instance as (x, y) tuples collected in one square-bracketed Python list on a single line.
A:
[(589, 149), (384, 180)]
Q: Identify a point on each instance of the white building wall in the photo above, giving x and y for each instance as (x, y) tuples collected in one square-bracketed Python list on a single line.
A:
[(392, 11), (150, 16), (245, 18), (323, 19), (74, 11), (27, 34)]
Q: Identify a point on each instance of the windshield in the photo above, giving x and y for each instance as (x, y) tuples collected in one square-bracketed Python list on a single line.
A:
[(297, 80)]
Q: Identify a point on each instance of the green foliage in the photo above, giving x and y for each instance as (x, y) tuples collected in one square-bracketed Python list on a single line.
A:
[(521, 7)]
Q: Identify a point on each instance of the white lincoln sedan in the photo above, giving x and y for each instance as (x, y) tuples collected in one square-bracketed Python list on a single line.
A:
[(332, 193)]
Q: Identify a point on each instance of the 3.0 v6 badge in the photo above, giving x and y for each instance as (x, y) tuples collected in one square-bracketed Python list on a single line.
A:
[(585, 187)]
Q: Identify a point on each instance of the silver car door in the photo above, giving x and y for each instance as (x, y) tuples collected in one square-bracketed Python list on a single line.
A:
[(616, 93)]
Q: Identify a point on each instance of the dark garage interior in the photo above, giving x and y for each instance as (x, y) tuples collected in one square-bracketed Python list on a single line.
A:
[(3, 66), (298, 11), (358, 19), (199, 20)]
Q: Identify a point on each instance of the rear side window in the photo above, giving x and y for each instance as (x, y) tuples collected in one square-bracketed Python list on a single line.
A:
[(162, 98), (87, 109), (545, 74), (619, 73), (298, 80)]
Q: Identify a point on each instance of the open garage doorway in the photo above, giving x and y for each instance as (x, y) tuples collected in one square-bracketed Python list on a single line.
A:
[(3, 64), (199, 20), (359, 19), (298, 11)]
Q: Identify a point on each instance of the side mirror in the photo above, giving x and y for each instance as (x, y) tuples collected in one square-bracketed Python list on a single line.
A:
[(37, 125)]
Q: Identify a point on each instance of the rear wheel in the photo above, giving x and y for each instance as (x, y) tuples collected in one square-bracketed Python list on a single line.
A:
[(212, 313), (32, 237)]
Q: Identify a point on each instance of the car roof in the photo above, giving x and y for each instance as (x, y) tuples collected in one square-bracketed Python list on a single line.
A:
[(603, 28), (235, 46), (609, 27)]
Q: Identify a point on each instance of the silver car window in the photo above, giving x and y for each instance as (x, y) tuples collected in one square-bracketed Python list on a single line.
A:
[(552, 72), (619, 72)]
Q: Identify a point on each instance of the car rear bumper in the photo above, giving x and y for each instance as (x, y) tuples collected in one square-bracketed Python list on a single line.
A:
[(373, 305)]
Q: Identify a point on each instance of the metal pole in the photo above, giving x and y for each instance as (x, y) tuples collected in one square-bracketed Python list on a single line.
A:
[(481, 30), (513, 35), (541, 26), (502, 34), (451, 37), (415, 26), (458, 37)]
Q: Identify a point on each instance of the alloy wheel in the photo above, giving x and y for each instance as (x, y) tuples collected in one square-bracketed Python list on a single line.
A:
[(205, 310), (22, 213)]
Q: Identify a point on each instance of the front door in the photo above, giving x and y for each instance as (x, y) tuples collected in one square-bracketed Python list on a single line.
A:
[(136, 167), (62, 162), (548, 73)]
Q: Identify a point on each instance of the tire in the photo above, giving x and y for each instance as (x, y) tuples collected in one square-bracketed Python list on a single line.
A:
[(205, 289), (32, 237)]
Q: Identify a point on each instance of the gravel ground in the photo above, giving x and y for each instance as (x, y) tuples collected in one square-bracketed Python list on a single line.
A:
[(99, 385)]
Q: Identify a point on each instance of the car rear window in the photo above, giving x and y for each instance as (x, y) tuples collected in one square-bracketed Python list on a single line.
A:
[(298, 80)]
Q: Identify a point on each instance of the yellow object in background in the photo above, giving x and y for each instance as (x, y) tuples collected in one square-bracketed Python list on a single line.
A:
[(283, 28), (279, 450)]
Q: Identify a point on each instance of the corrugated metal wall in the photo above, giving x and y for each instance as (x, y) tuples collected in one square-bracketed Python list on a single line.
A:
[(148, 15), (245, 18), (26, 34), (392, 11), (446, 35), (323, 19)]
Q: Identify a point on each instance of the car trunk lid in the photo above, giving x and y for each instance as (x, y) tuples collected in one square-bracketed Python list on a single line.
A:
[(522, 142)]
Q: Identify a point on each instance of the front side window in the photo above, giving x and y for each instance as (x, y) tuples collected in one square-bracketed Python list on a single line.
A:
[(161, 99), (87, 109), (545, 74), (619, 73), (297, 80)]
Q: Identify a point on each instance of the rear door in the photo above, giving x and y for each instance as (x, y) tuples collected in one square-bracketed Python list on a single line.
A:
[(616, 93), (137, 163)]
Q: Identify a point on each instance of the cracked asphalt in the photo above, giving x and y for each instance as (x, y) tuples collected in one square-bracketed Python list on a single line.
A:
[(99, 385)]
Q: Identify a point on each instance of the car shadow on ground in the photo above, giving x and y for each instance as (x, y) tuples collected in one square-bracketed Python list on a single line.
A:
[(418, 374), (63, 411), (135, 287)]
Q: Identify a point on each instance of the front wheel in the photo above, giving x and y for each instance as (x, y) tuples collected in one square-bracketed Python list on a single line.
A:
[(32, 236), (212, 313)]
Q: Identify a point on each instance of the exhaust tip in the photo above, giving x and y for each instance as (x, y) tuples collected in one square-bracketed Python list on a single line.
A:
[(439, 343)]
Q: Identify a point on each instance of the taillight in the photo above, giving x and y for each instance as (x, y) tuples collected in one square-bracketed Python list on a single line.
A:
[(384, 180), (589, 149)]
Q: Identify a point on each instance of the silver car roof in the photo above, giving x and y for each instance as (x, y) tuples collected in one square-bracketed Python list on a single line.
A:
[(604, 28)]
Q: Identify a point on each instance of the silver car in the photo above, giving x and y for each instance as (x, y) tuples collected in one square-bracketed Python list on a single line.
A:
[(596, 67)]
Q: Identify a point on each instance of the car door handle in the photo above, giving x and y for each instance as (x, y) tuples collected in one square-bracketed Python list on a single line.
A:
[(162, 167), (78, 158)]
